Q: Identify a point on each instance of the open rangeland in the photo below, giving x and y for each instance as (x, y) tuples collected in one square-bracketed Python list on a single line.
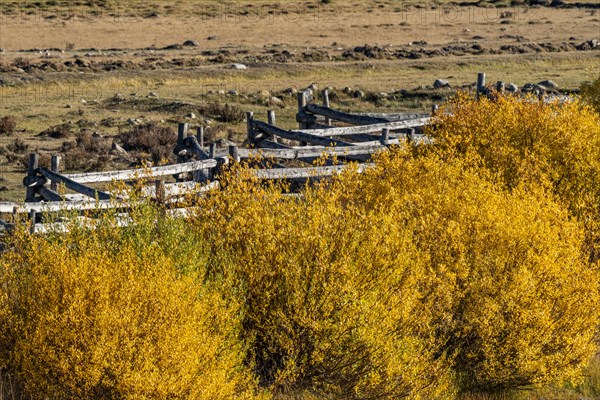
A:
[(284, 296)]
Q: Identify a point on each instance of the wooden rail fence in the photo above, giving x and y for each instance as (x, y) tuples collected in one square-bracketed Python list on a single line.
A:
[(324, 133)]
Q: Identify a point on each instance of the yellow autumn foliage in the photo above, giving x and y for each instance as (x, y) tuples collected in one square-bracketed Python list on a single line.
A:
[(374, 285), (590, 92), (441, 269), (108, 313), (528, 142)]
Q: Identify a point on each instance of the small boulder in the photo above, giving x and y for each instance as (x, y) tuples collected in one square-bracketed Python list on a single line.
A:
[(239, 66), (548, 84), (289, 91), (512, 88), (191, 116), (347, 90), (152, 94), (358, 94), (212, 37), (191, 43), (233, 93), (441, 83), (277, 102)]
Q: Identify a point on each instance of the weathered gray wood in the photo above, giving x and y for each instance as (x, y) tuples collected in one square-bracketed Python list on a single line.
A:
[(395, 116), (480, 83), (271, 117), (179, 189), (363, 129), (49, 194), (250, 126), (434, 109), (73, 185), (182, 132), (200, 135), (32, 216), (304, 173), (271, 121), (233, 153), (301, 105), (299, 135), (133, 174), (311, 152), (160, 191), (212, 150), (411, 135), (32, 167), (54, 167), (385, 136), (326, 104), (348, 118)]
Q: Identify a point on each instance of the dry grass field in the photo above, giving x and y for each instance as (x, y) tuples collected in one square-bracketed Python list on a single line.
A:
[(77, 76), (63, 62)]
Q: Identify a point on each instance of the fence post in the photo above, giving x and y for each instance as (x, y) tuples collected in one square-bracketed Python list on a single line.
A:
[(326, 104), (200, 135), (161, 192), (54, 167), (480, 84), (250, 126), (411, 135), (32, 221), (272, 121), (301, 104), (233, 153), (385, 136), (32, 166)]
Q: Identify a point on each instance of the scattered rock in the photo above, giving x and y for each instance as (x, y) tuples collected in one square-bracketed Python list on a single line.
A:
[(290, 91), (68, 106), (233, 93), (277, 102), (358, 94), (548, 84), (264, 94), (191, 116), (152, 94), (441, 83), (191, 43), (212, 37), (239, 66), (83, 101), (153, 14), (221, 92), (118, 97), (347, 90), (512, 88), (313, 87)]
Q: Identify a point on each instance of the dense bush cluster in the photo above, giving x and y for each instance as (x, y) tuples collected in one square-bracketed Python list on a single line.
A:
[(468, 265)]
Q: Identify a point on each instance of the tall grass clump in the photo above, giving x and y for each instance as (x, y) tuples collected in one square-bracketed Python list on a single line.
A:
[(117, 313), (529, 143)]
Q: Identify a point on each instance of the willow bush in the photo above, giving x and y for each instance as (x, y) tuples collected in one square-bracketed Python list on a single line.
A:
[(527, 142), (385, 284), (331, 296), (115, 313)]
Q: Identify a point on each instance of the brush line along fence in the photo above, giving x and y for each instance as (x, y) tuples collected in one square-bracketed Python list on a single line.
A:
[(323, 133)]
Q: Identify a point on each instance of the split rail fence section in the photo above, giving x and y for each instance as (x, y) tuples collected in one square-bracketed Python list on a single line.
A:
[(323, 133)]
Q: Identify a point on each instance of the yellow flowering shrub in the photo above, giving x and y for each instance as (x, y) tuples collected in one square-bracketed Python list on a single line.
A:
[(504, 279), (373, 285), (528, 142), (330, 292), (108, 313)]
